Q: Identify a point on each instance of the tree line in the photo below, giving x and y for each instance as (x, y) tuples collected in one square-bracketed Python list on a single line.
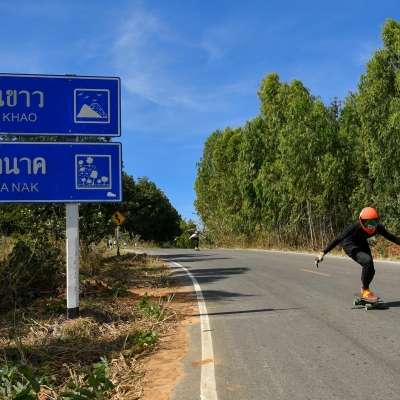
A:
[(32, 237), (147, 210), (301, 170)]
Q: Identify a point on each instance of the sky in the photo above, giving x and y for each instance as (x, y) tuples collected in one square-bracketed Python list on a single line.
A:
[(190, 67)]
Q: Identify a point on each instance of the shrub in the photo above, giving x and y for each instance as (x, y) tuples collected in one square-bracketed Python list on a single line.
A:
[(29, 271)]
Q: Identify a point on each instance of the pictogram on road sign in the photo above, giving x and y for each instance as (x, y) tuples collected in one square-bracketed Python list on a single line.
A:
[(118, 218)]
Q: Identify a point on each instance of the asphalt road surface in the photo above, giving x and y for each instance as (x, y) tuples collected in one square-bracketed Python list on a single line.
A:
[(283, 329)]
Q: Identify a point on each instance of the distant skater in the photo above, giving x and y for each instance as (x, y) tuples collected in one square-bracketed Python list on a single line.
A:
[(195, 237)]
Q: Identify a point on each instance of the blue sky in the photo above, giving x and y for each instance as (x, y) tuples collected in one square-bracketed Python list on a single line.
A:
[(189, 67)]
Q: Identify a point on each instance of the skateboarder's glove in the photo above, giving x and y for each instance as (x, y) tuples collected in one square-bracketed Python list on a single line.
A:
[(319, 258)]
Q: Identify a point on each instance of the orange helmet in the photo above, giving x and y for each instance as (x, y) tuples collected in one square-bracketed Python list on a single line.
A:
[(369, 219)]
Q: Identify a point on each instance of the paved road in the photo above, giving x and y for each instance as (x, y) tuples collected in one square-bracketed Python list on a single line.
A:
[(282, 329)]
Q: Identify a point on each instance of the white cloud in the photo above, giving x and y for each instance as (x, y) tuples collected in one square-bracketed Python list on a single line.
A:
[(139, 30), (213, 49), (166, 68), (216, 42), (139, 57)]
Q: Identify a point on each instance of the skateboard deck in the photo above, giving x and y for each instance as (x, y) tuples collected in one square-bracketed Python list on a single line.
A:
[(369, 305)]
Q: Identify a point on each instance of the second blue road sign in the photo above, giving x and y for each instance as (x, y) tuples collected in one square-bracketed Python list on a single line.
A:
[(67, 172)]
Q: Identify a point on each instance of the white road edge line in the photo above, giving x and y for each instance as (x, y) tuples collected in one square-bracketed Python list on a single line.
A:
[(208, 387)]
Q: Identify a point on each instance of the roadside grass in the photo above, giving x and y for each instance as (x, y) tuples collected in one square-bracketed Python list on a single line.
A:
[(380, 247), (117, 327)]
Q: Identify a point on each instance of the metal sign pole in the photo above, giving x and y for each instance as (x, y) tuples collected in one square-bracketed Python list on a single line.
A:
[(118, 241), (72, 225), (72, 233)]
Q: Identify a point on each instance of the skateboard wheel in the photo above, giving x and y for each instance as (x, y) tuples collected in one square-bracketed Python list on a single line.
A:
[(356, 302), (368, 306)]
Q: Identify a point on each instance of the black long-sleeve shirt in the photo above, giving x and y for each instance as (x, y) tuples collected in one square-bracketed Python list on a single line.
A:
[(354, 236)]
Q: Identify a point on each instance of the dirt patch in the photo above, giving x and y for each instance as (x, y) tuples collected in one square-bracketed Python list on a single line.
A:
[(203, 362), (131, 324), (164, 369)]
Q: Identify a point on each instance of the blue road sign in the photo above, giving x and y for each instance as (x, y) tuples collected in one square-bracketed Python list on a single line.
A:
[(60, 105), (54, 172)]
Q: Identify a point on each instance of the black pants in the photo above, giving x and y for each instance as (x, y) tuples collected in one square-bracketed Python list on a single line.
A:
[(363, 256), (196, 243)]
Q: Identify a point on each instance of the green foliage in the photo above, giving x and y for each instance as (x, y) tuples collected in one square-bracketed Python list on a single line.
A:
[(18, 382), (301, 170), (186, 228), (118, 290), (94, 223), (148, 211), (146, 338), (219, 202), (277, 171), (378, 107), (29, 270), (93, 385), (152, 309), (57, 306)]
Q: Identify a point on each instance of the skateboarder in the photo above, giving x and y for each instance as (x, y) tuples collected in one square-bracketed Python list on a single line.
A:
[(195, 237), (356, 246)]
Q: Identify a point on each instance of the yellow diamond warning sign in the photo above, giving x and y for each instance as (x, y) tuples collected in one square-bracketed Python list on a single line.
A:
[(118, 218)]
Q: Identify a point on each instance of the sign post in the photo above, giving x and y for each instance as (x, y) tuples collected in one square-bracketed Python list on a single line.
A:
[(72, 231), (72, 247), (118, 219), (67, 172)]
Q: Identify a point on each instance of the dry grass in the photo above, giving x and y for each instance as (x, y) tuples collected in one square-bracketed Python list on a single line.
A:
[(113, 325), (6, 245)]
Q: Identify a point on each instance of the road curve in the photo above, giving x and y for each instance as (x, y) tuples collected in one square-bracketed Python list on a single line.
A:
[(283, 329)]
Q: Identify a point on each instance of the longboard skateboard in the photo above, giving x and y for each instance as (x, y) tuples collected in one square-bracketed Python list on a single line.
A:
[(369, 305)]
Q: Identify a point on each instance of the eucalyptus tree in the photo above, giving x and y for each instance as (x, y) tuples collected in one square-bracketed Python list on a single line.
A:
[(252, 154), (379, 111), (297, 155), (357, 183), (219, 200), (301, 167), (205, 184), (225, 156), (148, 211), (268, 183), (300, 176)]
